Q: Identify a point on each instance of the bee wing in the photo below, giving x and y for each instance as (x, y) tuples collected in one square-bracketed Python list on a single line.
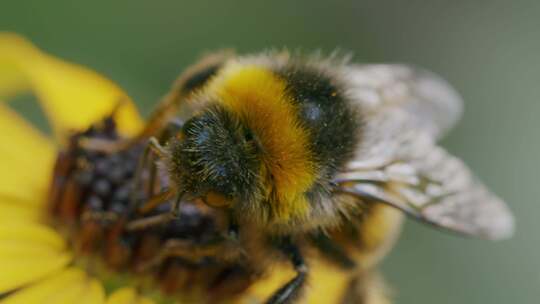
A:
[(399, 163), (429, 101)]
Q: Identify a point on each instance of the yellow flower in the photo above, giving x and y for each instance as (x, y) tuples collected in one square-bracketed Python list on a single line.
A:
[(37, 264)]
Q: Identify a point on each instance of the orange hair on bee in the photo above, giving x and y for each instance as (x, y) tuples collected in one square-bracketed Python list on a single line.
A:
[(259, 97)]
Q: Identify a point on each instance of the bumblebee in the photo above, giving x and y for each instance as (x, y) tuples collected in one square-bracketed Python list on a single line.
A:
[(300, 149)]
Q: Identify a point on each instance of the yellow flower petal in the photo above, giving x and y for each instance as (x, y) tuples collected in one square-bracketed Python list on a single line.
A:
[(66, 287), (33, 233), (29, 252), (84, 290), (69, 294), (72, 96), (44, 289), (127, 296), (18, 272), (26, 159), (11, 82), (94, 293), (11, 210)]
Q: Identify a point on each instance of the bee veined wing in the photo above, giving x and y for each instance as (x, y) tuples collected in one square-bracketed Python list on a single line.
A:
[(399, 163), (428, 100)]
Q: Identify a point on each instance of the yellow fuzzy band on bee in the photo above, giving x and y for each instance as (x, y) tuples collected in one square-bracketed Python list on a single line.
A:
[(259, 97)]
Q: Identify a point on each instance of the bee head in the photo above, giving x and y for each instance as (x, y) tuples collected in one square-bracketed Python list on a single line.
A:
[(216, 158)]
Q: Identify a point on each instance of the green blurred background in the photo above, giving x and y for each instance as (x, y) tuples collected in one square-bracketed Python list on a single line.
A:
[(489, 50)]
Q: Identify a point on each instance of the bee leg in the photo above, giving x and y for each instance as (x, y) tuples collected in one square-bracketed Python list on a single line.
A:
[(191, 79), (160, 219), (157, 148), (139, 173), (155, 201), (152, 148), (155, 145), (289, 292), (173, 127), (150, 221), (185, 249), (165, 110), (332, 250)]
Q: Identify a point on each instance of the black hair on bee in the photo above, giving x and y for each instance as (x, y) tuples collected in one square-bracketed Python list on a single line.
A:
[(324, 111), (216, 153)]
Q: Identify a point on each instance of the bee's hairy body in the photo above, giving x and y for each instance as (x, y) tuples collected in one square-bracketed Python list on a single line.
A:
[(271, 132), (313, 151), (300, 127)]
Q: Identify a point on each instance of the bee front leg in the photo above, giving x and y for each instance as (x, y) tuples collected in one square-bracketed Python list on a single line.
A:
[(153, 148), (290, 292), (159, 219)]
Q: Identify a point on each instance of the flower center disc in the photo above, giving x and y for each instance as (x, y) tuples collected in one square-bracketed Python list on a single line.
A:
[(93, 198)]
